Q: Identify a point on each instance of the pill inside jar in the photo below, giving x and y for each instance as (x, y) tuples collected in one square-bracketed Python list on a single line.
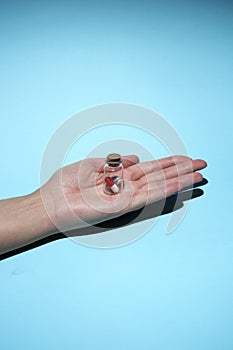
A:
[(113, 174)]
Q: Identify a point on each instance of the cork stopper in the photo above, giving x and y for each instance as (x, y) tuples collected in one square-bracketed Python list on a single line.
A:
[(114, 159)]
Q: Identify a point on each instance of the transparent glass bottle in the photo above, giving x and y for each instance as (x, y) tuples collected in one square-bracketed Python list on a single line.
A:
[(113, 182)]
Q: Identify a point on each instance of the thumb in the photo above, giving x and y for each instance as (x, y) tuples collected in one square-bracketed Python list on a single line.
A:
[(130, 160)]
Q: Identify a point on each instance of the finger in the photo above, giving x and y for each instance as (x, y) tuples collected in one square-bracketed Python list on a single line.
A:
[(128, 161), (139, 170), (147, 196), (182, 181), (180, 169), (186, 180), (158, 191)]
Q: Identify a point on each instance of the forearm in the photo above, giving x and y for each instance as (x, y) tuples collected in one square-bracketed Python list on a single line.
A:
[(23, 220)]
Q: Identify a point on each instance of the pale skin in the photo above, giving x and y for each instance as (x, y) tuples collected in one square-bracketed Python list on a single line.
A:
[(73, 197)]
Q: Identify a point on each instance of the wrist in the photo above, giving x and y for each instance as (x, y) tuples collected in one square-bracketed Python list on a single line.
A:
[(23, 220), (38, 214)]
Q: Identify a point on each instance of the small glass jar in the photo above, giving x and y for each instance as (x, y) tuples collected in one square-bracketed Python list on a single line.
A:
[(113, 182)]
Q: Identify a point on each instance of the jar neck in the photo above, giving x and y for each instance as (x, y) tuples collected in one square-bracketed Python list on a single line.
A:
[(114, 164)]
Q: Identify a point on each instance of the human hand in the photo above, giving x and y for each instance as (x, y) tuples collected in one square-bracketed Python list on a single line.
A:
[(74, 196)]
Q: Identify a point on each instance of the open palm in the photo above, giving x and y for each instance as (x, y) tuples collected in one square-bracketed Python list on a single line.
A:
[(74, 196)]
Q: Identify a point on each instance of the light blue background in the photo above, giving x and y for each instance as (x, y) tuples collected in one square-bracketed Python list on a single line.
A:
[(163, 291)]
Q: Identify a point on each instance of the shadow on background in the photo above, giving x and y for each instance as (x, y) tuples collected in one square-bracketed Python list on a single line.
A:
[(158, 208)]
